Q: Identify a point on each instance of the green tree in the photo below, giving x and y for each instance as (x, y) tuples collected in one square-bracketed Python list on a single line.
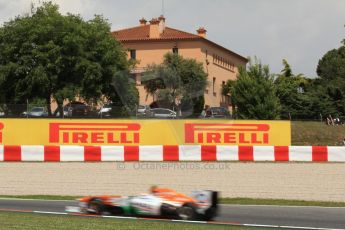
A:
[(177, 83), (292, 93), (331, 68), (305, 98), (125, 94), (287, 71), (254, 93), (51, 56), (331, 72), (321, 101)]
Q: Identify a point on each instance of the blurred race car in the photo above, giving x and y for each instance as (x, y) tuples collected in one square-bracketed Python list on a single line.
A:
[(161, 202)]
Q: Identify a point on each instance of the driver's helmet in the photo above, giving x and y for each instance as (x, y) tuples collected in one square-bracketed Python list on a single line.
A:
[(153, 189)]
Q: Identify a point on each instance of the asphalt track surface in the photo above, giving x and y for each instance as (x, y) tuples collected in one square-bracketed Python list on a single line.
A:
[(294, 216)]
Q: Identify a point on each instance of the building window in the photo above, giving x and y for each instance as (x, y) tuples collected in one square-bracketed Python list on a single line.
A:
[(214, 82), (133, 54), (228, 100), (175, 50), (138, 79)]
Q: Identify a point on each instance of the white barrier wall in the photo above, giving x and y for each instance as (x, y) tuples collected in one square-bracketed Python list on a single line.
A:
[(305, 181)]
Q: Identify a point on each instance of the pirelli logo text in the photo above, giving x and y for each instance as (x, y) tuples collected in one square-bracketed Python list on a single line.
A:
[(94, 133), (252, 134), (1, 128)]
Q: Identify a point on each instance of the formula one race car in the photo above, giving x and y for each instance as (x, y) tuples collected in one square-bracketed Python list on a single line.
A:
[(166, 203)]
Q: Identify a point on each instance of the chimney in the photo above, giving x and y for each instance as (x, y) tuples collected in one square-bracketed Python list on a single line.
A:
[(154, 28), (202, 32), (142, 22), (161, 24)]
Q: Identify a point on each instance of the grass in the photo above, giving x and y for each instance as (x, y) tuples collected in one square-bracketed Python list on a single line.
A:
[(316, 133), (42, 197), (13, 220), (251, 201), (243, 201)]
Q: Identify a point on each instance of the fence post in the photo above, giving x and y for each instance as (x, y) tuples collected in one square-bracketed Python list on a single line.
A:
[(27, 108)]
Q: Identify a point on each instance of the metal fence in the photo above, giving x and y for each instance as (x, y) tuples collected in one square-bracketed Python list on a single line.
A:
[(80, 110)]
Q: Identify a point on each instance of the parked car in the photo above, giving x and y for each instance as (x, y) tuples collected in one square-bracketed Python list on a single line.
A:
[(104, 111), (65, 112), (162, 113), (77, 109), (142, 110), (217, 112), (111, 109), (36, 112)]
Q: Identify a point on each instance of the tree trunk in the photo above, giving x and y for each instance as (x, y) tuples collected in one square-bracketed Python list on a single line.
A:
[(59, 109), (49, 109)]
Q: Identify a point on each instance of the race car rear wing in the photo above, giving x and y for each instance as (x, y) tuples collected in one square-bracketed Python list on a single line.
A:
[(206, 198)]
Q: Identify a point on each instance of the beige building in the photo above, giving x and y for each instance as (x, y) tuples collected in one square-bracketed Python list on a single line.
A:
[(148, 42)]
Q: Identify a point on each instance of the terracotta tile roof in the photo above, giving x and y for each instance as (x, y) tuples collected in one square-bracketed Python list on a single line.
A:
[(143, 33)]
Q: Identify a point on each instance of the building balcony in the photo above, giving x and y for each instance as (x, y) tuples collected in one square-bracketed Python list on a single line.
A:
[(138, 70)]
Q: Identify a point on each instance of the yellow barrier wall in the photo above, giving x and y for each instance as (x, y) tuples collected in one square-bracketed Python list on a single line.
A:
[(143, 132)]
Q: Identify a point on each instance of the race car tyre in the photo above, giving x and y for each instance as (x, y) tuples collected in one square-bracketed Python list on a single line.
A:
[(209, 214), (187, 212), (97, 206), (168, 210)]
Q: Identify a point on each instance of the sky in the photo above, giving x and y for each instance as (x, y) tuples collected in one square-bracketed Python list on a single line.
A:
[(300, 31)]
